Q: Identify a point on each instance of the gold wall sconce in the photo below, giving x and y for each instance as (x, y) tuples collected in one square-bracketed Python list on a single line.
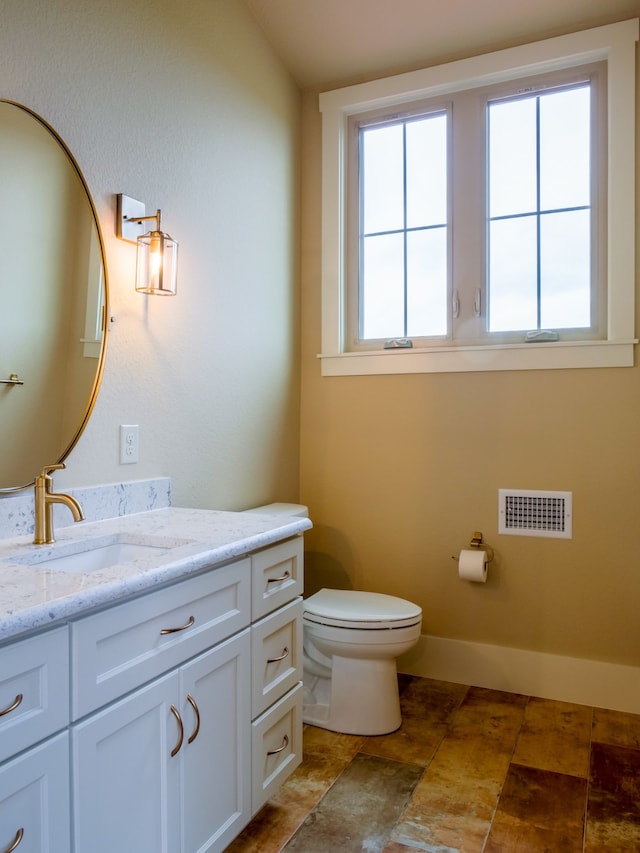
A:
[(157, 255)]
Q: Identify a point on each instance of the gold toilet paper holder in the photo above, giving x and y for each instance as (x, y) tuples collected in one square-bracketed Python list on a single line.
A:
[(476, 542)]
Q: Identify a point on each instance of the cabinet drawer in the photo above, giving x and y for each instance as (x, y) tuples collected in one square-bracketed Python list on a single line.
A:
[(119, 649), (276, 744), (34, 690), (34, 799), (277, 576), (276, 655)]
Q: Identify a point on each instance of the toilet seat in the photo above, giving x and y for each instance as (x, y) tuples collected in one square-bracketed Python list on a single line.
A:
[(346, 608)]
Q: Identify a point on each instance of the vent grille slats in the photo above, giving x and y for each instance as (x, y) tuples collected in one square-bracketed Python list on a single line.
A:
[(535, 513)]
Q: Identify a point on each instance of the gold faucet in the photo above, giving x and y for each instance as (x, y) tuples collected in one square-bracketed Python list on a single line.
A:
[(45, 498)]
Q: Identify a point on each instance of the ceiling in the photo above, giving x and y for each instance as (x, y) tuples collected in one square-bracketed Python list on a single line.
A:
[(328, 43)]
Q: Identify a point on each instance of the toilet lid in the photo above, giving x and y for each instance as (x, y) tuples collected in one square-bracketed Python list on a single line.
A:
[(364, 610)]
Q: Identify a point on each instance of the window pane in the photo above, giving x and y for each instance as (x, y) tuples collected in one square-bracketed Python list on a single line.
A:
[(564, 149), (512, 157), (383, 178), (565, 270), (382, 309), (427, 171), (427, 282), (513, 264)]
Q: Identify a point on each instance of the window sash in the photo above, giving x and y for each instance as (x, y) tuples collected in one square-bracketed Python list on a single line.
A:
[(587, 318), (391, 237)]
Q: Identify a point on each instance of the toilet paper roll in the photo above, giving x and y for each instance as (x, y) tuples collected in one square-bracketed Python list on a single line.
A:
[(472, 565)]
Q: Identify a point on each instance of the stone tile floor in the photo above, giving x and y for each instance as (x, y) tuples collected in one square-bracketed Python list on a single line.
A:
[(470, 770)]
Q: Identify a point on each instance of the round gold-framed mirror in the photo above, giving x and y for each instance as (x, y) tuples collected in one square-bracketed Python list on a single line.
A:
[(54, 298)]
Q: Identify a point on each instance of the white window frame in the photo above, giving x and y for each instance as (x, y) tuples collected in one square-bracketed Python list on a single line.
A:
[(614, 43)]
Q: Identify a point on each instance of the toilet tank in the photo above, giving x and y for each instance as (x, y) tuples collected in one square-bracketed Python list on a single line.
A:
[(281, 509)]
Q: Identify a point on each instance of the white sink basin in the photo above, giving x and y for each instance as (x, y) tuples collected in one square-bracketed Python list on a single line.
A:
[(94, 554)]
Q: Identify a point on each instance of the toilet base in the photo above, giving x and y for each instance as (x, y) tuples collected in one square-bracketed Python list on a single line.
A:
[(359, 698)]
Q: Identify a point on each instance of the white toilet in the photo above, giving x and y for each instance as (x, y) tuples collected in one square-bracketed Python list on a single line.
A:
[(351, 642)]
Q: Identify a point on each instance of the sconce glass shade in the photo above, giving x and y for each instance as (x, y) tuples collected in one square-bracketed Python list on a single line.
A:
[(157, 264)]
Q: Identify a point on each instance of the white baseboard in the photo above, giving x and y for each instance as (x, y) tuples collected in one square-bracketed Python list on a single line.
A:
[(584, 682)]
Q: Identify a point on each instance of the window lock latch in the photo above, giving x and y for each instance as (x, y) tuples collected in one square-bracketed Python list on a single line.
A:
[(537, 336), (398, 343)]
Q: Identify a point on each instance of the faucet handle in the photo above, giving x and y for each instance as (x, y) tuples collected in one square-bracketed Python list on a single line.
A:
[(46, 471)]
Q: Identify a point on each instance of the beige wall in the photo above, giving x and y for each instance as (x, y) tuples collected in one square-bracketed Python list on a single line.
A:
[(398, 471), (186, 108)]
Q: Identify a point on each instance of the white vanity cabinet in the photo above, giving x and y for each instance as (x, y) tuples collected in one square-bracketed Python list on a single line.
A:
[(159, 724), (34, 705)]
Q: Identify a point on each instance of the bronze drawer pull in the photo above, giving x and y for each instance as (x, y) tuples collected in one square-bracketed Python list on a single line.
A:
[(8, 710), (181, 628), (282, 656), (285, 577), (176, 748), (285, 744), (15, 841), (194, 733)]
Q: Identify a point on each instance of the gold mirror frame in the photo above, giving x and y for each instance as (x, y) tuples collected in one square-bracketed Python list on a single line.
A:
[(87, 224)]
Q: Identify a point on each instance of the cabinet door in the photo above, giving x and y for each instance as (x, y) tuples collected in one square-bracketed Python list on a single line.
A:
[(216, 754), (34, 799), (125, 782)]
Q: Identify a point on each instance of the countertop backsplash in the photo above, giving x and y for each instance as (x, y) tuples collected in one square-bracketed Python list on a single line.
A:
[(97, 502)]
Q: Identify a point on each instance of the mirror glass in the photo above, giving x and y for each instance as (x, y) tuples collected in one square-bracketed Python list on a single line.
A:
[(53, 298)]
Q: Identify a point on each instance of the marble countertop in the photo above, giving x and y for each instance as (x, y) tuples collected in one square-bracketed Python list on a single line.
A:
[(185, 540)]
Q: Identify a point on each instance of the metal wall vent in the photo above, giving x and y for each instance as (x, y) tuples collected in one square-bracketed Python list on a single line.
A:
[(533, 513)]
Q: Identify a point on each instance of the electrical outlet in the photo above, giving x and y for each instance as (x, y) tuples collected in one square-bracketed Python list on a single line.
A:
[(129, 443)]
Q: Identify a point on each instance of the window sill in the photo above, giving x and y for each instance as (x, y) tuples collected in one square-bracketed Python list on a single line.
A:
[(543, 356)]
